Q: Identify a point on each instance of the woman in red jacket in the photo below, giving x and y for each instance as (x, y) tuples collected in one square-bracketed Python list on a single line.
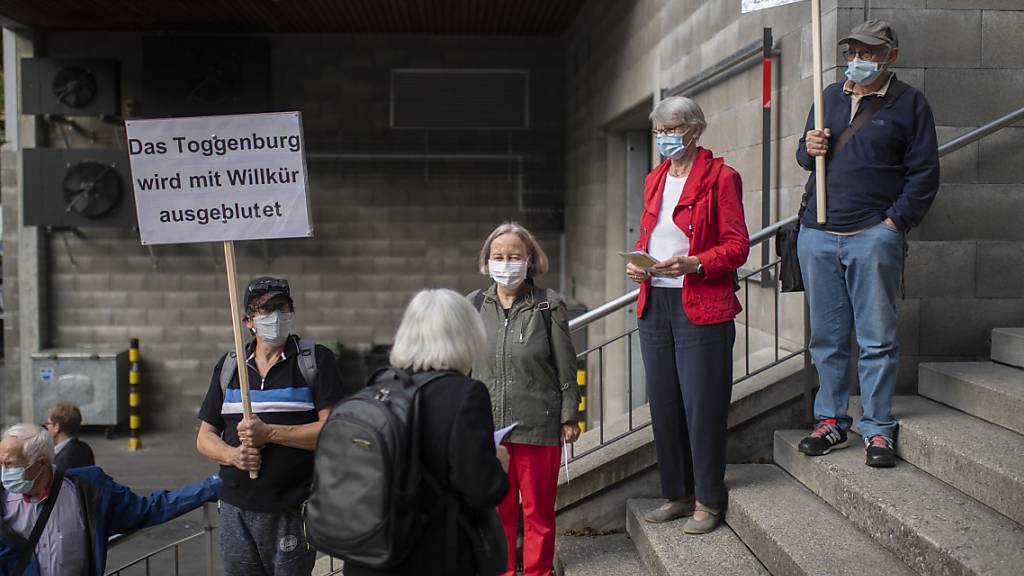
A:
[(693, 225)]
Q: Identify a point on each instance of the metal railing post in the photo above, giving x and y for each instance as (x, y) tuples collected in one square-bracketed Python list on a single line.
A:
[(208, 530)]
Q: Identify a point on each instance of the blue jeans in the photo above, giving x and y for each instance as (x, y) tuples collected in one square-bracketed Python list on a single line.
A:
[(852, 282)]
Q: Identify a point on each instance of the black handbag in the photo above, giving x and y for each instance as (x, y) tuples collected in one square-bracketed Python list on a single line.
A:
[(790, 278), (490, 549)]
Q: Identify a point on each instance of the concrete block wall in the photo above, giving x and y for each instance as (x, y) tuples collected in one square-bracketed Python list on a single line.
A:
[(383, 228)]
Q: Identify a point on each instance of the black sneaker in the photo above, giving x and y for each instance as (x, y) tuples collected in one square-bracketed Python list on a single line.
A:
[(827, 436), (880, 453)]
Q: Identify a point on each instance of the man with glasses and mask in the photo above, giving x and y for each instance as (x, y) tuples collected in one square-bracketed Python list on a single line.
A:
[(56, 523), (883, 173), (293, 384)]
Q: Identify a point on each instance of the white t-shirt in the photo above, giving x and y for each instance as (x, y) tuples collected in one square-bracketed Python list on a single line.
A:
[(667, 240)]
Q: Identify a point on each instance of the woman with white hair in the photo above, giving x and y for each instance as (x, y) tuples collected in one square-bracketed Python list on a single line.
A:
[(440, 333), (693, 226), (529, 367)]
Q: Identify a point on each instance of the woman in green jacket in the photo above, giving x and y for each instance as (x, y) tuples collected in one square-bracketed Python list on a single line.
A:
[(529, 367)]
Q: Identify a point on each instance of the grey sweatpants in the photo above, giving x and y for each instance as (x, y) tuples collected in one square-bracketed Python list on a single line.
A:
[(263, 543)]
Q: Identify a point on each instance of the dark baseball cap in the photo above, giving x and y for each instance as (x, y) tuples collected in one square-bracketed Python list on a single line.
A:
[(263, 289), (873, 33)]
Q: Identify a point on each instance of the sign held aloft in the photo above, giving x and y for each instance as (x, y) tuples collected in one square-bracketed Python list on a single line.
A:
[(220, 178)]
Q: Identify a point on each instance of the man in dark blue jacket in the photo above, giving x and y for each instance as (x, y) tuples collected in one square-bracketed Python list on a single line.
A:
[(89, 507), (879, 185)]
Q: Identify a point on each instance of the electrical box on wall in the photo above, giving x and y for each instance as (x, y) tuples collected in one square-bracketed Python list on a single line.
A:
[(70, 87), (77, 188)]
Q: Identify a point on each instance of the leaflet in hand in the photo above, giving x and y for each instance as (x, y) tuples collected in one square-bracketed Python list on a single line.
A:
[(640, 259), (499, 435)]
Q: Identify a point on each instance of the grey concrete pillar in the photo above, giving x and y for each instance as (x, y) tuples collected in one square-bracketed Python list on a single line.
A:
[(30, 252)]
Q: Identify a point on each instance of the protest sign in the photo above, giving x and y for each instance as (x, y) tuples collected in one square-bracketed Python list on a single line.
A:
[(221, 178)]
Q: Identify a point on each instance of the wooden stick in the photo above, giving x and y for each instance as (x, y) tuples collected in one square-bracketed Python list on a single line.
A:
[(236, 324), (819, 107)]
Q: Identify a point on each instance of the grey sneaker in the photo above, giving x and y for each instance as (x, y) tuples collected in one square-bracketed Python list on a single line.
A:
[(706, 525), (678, 508)]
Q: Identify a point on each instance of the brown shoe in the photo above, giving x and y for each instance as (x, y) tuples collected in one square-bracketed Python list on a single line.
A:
[(706, 525), (678, 508)]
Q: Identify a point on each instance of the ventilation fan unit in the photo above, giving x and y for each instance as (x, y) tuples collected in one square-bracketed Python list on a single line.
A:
[(77, 188), (70, 87)]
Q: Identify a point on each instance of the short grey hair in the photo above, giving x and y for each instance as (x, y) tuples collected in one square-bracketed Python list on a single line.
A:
[(36, 442), (440, 330), (537, 261), (678, 111)]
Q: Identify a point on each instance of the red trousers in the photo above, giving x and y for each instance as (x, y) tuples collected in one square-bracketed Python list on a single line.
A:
[(532, 473)]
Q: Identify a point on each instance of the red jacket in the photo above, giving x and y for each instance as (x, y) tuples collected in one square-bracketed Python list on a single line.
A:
[(718, 237)]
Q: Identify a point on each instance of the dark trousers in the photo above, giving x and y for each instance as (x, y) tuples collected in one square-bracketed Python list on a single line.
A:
[(689, 385)]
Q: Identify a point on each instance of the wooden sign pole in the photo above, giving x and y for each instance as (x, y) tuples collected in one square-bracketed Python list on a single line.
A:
[(236, 324), (819, 107)]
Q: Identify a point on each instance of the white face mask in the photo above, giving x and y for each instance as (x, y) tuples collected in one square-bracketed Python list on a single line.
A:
[(508, 273), (273, 329)]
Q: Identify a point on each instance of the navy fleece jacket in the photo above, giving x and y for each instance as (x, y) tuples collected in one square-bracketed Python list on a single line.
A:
[(890, 168)]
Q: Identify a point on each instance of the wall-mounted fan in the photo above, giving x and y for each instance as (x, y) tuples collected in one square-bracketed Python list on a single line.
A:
[(91, 189), (70, 87), (74, 86), (77, 188)]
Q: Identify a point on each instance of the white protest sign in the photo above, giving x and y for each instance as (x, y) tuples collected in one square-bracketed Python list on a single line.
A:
[(755, 5), (220, 178)]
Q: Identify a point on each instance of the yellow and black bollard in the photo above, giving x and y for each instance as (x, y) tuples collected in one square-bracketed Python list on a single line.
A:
[(134, 378), (581, 381)]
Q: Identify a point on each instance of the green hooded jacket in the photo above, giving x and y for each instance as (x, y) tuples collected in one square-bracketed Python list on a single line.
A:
[(532, 380)]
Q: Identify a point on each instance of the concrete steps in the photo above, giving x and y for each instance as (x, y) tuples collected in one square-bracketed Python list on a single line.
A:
[(782, 522), (606, 555), (1008, 346), (932, 527), (666, 551), (976, 457), (990, 391)]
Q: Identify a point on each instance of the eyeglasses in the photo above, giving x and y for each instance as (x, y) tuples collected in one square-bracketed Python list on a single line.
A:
[(672, 130), (865, 54)]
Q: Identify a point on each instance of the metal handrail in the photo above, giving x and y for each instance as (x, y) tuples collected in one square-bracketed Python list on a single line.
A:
[(980, 132), (735, 63), (206, 532), (621, 302)]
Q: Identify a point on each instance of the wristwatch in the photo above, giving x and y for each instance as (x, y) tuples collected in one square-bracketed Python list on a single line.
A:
[(700, 268)]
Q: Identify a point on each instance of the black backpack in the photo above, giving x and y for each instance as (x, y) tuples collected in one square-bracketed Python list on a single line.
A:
[(365, 503)]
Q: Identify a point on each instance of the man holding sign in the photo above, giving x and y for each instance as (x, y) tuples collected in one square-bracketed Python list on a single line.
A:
[(295, 384), (883, 173)]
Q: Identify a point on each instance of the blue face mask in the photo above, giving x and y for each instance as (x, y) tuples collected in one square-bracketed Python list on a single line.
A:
[(862, 72), (671, 145), (14, 480)]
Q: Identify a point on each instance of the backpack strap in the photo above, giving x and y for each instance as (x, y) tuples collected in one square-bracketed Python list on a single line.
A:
[(307, 360), (227, 371), (544, 306), (37, 531), (477, 297)]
